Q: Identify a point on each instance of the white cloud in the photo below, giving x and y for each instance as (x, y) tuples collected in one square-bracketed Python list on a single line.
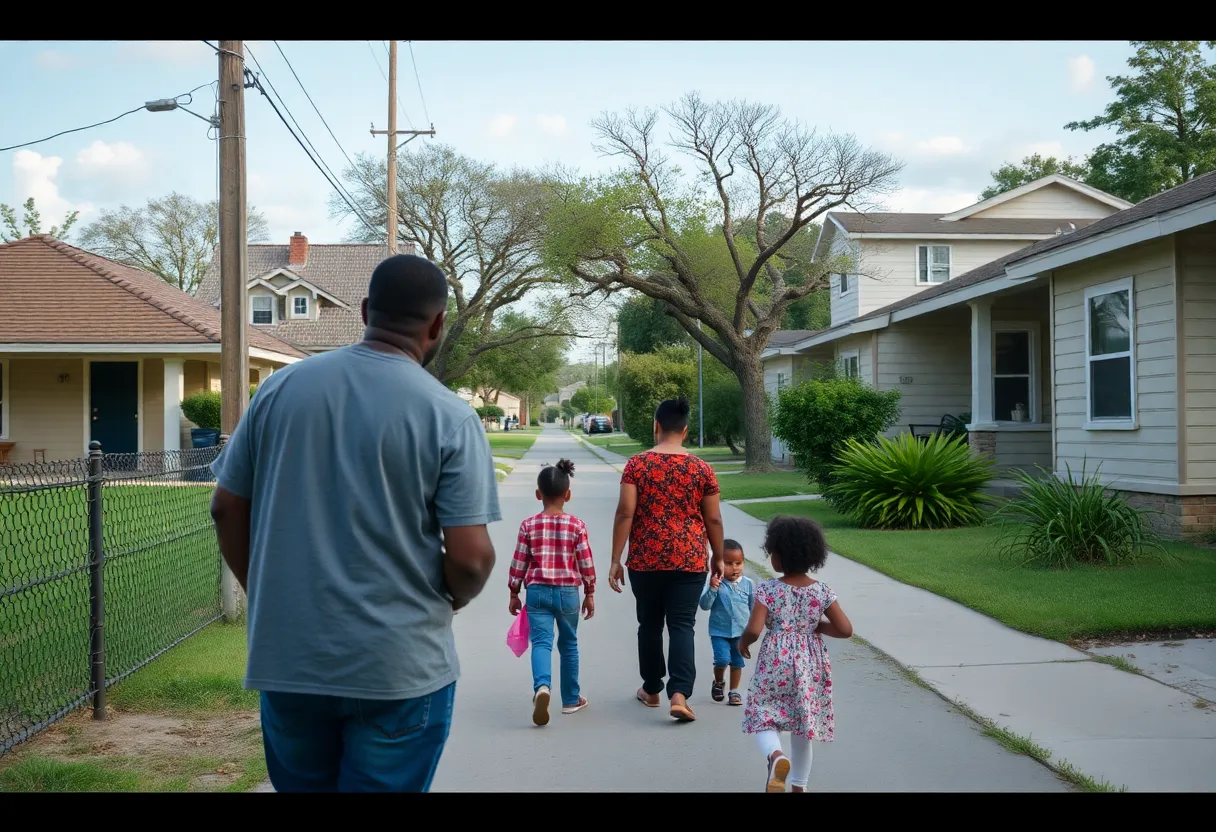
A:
[(1044, 149), (552, 125), (930, 200), (291, 205), (942, 146), (35, 175), (1081, 73), (54, 59), (111, 171), (503, 126), (101, 157)]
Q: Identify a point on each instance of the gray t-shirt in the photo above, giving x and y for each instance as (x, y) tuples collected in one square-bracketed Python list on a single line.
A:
[(354, 461)]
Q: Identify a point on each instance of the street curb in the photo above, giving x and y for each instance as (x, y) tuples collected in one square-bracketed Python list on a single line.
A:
[(596, 452)]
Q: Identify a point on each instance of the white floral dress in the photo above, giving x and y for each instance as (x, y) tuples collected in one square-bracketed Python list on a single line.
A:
[(791, 687)]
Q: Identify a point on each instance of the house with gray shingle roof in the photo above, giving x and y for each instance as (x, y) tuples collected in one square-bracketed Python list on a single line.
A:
[(306, 294), (1094, 347)]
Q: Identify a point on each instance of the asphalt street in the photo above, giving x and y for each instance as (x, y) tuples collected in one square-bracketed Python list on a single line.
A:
[(891, 735)]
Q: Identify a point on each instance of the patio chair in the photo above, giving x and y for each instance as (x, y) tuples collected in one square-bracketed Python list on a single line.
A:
[(950, 424)]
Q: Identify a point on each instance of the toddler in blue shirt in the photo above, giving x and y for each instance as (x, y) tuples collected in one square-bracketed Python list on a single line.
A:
[(729, 601)]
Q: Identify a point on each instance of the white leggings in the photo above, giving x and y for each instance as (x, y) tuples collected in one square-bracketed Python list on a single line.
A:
[(801, 755)]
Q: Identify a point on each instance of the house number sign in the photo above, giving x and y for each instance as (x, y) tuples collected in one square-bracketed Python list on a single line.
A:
[(905, 379)]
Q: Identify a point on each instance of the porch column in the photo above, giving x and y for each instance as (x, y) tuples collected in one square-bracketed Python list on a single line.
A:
[(174, 393), (263, 374), (982, 427)]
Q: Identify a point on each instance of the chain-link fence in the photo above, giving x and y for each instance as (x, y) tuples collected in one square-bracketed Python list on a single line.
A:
[(105, 563)]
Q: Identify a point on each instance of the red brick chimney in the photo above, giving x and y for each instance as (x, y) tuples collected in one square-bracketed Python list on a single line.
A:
[(298, 255)]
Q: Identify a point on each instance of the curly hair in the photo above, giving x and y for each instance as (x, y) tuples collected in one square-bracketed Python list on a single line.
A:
[(554, 480), (797, 543)]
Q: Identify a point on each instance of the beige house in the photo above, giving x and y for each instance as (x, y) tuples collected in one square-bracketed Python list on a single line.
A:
[(91, 349), (510, 404), (306, 294), (1094, 347)]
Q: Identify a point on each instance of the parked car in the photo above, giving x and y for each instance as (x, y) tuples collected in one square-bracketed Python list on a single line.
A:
[(598, 424)]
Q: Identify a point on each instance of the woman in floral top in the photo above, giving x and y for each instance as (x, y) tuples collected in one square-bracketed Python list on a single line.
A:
[(667, 510)]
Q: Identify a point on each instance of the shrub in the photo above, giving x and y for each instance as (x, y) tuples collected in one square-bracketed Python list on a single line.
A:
[(203, 408), (490, 413), (907, 483), (817, 417), (1058, 525), (649, 379), (552, 414)]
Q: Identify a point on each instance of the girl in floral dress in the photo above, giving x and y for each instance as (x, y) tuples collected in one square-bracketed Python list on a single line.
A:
[(791, 687)]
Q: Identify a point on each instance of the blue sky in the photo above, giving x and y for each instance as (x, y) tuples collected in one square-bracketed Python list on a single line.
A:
[(952, 110)]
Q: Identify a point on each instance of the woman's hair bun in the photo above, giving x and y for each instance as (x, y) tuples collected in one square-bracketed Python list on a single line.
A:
[(683, 406), (566, 467)]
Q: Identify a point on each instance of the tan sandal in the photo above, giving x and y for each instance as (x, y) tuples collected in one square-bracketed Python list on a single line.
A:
[(682, 712), (645, 700)]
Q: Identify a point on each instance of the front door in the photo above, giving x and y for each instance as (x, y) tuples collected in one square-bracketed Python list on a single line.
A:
[(114, 406)]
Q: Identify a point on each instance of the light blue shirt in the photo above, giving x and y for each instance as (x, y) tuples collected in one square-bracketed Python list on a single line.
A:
[(354, 461), (730, 606)]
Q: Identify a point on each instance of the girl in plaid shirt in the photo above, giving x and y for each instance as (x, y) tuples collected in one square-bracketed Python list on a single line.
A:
[(552, 559)]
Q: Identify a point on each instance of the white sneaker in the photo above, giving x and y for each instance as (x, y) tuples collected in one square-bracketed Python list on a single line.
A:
[(573, 709), (540, 706)]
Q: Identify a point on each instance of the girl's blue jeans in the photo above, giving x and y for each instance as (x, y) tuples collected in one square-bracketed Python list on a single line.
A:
[(550, 609)]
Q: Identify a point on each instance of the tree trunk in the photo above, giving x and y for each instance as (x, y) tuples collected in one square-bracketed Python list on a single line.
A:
[(759, 456), (730, 443)]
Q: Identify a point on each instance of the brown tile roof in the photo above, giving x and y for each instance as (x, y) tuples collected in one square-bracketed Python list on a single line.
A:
[(55, 293), (933, 224), (342, 270), (1197, 189)]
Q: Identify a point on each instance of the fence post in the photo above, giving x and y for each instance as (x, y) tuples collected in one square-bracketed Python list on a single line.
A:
[(228, 585), (97, 601)]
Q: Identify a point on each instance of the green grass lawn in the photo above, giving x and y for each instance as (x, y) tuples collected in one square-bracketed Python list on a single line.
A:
[(962, 564), (512, 444), (620, 443), (745, 486), (161, 580), (183, 723), (501, 470)]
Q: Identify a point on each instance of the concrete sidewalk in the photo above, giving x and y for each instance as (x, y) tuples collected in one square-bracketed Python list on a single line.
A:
[(1113, 726)]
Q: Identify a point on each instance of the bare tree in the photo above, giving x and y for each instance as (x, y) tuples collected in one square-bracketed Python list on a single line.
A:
[(712, 250), (173, 237), (483, 227)]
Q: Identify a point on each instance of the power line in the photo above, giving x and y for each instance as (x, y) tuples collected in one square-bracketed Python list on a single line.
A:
[(425, 112), (314, 106), (258, 85), (332, 177), (100, 123)]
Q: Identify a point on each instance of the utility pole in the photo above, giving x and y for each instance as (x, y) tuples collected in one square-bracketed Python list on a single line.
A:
[(700, 395), (619, 392), (234, 304), (392, 132)]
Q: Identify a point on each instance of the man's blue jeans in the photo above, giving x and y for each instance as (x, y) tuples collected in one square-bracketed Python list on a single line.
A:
[(549, 608), (335, 744)]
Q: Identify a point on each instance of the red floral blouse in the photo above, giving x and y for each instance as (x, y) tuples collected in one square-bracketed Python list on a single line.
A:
[(668, 532)]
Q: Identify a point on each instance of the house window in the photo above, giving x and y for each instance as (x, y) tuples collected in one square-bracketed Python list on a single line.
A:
[(780, 382), (850, 363), (1110, 351), (1013, 375), (299, 307), (932, 264), (262, 309), (844, 284)]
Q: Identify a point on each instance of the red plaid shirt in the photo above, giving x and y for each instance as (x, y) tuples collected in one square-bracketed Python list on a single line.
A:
[(553, 550)]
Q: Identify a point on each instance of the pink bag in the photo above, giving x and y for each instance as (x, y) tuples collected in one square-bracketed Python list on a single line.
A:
[(517, 636)]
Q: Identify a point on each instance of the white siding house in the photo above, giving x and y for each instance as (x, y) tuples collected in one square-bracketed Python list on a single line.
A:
[(1092, 350)]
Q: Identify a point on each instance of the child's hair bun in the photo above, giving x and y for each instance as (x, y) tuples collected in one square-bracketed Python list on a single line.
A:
[(566, 467)]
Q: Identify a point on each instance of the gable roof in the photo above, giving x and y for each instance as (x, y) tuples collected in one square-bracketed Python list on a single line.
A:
[(1042, 182), (95, 300), (342, 270), (1197, 190), (935, 224)]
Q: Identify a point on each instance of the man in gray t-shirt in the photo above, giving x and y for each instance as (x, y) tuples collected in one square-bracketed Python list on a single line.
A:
[(352, 505)]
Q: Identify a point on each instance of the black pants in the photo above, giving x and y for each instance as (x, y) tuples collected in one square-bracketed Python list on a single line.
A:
[(669, 597)]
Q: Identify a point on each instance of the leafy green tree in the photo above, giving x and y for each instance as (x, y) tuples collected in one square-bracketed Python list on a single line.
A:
[(1010, 175), (174, 237), (591, 399), (482, 226), (568, 410), (681, 240), (645, 326), (522, 367), (31, 223), (552, 413), (1164, 115)]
